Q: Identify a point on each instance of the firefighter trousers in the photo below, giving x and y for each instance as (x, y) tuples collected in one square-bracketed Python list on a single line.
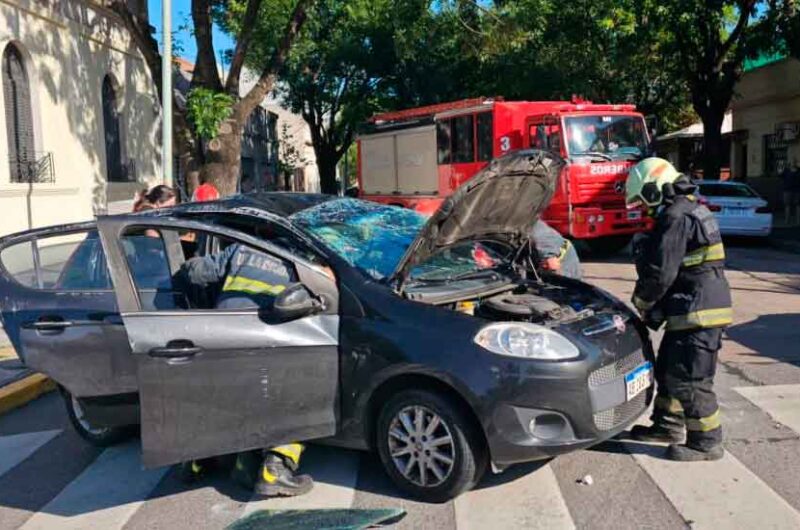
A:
[(685, 369)]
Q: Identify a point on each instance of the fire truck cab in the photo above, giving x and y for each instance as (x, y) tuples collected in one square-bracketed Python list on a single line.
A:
[(414, 158)]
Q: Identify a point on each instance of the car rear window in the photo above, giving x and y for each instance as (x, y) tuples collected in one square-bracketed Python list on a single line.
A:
[(64, 262), (726, 190)]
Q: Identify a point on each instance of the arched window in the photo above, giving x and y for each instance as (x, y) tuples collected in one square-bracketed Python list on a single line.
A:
[(115, 172), (19, 117)]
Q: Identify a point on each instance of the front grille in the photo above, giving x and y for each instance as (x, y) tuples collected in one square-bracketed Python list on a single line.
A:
[(606, 420), (616, 369)]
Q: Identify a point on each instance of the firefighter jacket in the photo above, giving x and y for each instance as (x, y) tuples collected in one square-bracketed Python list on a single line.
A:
[(242, 277), (680, 266), (551, 244)]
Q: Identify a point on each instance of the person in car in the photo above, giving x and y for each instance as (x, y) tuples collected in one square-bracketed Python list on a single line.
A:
[(556, 253), (246, 278), (160, 196), (681, 283)]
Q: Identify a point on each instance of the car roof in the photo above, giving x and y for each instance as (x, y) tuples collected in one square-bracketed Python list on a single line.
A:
[(282, 204), (720, 183)]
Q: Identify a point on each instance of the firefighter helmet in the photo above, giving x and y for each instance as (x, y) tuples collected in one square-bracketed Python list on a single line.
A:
[(646, 180)]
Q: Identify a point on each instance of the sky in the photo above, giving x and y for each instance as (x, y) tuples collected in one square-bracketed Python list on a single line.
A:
[(182, 16)]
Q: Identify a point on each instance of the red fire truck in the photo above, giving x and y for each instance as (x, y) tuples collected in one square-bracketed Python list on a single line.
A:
[(414, 158)]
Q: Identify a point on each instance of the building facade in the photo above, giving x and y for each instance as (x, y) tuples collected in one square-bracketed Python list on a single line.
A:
[(80, 115), (766, 118)]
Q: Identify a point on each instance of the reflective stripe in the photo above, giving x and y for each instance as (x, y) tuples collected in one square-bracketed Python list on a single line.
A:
[(268, 477), (668, 404), (705, 318), (697, 257), (641, 304), (291, 451), (196, 467), (249, 286), (709, 423), (564, 249)]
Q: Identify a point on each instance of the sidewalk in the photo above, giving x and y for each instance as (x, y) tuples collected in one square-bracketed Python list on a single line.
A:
[(18, 384)]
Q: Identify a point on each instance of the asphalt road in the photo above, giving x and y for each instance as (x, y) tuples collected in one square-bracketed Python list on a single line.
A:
[(49, 478)]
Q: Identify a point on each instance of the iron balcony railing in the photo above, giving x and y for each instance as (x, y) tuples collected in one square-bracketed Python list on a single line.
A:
[(35, 168)]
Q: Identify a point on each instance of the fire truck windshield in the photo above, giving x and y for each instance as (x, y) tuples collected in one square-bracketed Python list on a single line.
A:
[(611, 137)]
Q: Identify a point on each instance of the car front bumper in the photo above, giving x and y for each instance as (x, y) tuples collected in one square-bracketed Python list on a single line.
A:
[(543, 415)]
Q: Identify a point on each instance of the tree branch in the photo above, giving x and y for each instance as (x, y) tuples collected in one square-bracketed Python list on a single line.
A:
[(242, 43), (205, 69), (267, 78), (745, 7)]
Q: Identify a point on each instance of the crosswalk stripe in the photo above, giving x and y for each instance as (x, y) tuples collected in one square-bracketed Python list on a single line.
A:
[(14, 449), (716, 495), (536, 498), (105, 495), (782, 402), (335, 474)]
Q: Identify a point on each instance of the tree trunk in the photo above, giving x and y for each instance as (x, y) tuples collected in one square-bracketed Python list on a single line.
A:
[(327, 174), (224, 158), (712, 142)]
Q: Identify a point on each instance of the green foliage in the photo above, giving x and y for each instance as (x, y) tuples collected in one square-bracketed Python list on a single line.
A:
[(207, 110), (358, 57)]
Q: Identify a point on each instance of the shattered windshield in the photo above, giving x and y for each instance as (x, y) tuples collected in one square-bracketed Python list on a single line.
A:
[(606, 137), (367, 235)]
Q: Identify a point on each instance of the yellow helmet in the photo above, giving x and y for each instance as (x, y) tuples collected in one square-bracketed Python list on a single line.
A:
[(646, 180)]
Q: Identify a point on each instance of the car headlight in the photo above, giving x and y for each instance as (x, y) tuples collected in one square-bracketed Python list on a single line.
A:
[(528, 341)]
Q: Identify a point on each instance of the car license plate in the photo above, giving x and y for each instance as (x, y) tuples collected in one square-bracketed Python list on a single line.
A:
[(736, 212), (638, 380), (634, 214)]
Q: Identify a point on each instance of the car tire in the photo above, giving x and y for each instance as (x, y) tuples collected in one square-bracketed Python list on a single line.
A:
[(465, 449), (97, 436), (608, 246)]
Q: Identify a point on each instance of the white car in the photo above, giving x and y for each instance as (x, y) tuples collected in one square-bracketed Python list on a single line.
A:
[(739, 210)]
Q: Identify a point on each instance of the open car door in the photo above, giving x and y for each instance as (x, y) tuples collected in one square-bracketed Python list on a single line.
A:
[(218, 381)]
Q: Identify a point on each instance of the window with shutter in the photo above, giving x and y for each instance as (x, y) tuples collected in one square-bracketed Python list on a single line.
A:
[(19, 117), (115, 170)]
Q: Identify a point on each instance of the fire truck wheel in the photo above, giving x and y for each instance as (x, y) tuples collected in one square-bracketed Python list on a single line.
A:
[(608, 246)]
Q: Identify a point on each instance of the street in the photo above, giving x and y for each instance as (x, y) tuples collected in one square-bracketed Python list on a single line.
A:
[(51, 479)]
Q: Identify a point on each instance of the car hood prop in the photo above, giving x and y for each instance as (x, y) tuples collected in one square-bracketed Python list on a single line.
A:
[(501, 203)]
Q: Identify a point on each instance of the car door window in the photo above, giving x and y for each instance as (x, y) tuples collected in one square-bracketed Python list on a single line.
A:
[(234, 276), (63, 262)]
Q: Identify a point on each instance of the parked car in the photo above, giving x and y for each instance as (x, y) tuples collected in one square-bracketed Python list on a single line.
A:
[(438, 343), (739, 210)]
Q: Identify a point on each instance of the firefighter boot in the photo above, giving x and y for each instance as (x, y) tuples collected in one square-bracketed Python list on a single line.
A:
[(192, 471), (245, 470), (277, 479), (684, 453), (657, 433)]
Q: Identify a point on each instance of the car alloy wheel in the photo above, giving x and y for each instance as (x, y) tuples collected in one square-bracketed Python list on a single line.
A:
[(421, 446), (428, 446)]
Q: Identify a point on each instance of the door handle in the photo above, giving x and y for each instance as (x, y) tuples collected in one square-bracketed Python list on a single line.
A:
[(51, 325), (174, 351)]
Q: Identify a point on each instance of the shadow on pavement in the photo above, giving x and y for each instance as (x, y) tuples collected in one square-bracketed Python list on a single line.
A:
[(775, 336), (631, 447)]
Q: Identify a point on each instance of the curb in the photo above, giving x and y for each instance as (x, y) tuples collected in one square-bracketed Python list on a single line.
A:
[(27, 389)]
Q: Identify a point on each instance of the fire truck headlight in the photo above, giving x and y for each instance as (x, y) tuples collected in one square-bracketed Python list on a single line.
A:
[(600, 218), (592, 218)]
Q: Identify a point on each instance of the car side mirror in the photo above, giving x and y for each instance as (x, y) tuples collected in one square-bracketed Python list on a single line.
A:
[(296, 302)]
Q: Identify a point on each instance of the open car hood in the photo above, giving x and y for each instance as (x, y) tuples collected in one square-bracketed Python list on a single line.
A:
[(501, 203)]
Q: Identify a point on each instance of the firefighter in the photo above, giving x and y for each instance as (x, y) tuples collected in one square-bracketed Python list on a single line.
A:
[(681, 283), (555, 252), (246, 278)]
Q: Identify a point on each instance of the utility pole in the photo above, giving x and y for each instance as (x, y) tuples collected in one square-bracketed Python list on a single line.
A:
[(166, 90)]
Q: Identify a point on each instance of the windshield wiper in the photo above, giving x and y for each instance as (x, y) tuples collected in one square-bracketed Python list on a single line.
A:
[(598, 154), (471, 275)]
